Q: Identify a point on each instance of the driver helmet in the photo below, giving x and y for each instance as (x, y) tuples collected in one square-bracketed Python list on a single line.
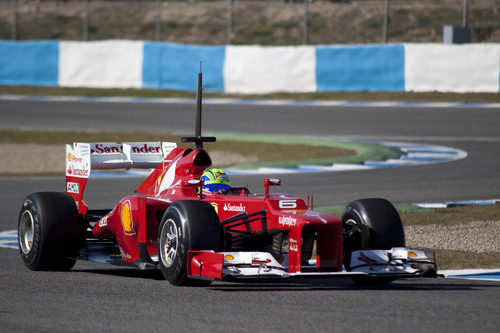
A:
[(215, 181)]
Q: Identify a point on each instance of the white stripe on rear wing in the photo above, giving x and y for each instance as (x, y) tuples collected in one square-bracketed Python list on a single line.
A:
[(82, 157)]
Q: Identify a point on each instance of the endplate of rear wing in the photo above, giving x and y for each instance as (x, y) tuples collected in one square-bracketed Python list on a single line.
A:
[(83, 157)]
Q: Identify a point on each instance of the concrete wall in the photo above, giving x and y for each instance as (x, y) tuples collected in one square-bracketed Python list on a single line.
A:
[(252, 69)]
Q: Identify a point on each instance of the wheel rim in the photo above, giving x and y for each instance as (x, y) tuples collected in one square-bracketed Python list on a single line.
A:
[(351, 236), (26, 232), (170, 243), (350, 227)]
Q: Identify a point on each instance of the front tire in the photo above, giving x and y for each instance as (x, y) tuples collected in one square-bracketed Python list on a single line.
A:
[(371, 224), (49, 232), (186, 225)]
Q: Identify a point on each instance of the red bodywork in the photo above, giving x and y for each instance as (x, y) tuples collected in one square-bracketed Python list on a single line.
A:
[(136, 218)]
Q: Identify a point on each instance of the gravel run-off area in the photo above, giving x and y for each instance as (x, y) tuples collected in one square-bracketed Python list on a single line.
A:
[(480, 236)]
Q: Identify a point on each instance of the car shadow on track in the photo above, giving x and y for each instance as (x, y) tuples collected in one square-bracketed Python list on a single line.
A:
[(306, 284), (343, 284), (126, 272)]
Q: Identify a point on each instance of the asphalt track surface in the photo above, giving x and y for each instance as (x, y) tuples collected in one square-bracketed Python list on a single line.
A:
[(99, 297)]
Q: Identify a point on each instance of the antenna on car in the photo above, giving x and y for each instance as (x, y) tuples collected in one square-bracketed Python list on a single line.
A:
[(198, 139)]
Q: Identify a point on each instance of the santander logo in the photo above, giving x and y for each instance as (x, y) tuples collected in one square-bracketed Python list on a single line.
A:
[(103, 149), (234, 208), (145, 149)]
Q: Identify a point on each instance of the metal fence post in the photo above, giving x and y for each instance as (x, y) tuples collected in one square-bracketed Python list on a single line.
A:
[(158, 20), (15, 12), (305, 36), (386, 19), (229, 21), (466, 10), (85, 25)]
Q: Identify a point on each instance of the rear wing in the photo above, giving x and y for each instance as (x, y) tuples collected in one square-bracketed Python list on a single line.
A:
[(82, 158)]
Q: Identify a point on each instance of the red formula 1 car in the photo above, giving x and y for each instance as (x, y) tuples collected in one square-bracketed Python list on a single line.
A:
[(170, 224)]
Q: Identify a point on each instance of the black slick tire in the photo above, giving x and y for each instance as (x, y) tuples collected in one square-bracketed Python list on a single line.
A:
[(371, 223), (186, 225), (49, 231)]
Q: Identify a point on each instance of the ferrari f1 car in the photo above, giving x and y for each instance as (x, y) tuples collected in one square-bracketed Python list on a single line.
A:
[(171, 225)]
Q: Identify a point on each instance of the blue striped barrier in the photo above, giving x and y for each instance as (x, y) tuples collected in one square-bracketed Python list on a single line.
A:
[(359, 68), (388, 67), (29, 63), (171, 66)]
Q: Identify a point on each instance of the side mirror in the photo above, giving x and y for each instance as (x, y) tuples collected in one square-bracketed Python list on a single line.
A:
[(270, 182), (195, 183)]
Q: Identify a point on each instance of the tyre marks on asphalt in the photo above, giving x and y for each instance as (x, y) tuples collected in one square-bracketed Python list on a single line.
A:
[(235, 101)]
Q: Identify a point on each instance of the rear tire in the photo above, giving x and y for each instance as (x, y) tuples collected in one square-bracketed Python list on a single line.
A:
[(187, 225), (49, 231), (371, 224)]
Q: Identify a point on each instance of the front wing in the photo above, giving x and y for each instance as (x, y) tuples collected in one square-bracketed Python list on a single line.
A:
[(396, 262)]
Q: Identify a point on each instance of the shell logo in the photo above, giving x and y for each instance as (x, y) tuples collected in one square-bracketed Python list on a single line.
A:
[(69, 157), (128, 224)]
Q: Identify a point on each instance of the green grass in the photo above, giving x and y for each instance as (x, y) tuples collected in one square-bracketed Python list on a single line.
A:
[(341, 95), (363, 153), (267, 152)]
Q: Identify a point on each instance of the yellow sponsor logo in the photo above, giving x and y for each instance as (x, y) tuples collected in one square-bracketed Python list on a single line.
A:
[(127, 219), (69, 157), (216, 207)]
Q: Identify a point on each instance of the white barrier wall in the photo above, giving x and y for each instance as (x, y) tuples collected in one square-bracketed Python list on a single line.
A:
[(253, 69), (452, 68), (258, 70), (103, 64)]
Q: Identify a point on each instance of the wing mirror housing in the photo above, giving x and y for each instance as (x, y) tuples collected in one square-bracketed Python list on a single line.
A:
[(270, 182)]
